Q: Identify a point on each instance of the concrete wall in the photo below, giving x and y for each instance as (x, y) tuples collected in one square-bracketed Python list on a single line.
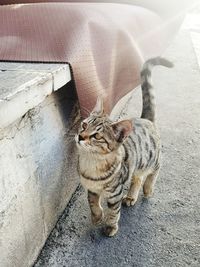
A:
[(37, 175)]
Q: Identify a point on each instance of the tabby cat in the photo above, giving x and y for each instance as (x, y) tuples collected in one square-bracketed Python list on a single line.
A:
[(114, 154)]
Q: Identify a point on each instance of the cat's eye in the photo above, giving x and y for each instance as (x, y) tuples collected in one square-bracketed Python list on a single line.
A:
[(96, 136)]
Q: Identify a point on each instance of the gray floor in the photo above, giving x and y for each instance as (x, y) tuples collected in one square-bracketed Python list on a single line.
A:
[(165, 230)]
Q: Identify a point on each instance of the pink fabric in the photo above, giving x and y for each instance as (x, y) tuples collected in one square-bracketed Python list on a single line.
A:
[(104, 43)]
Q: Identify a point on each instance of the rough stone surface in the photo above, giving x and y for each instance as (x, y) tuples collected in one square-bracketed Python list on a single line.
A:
[(37, 176), (24, 86), (164, 230)]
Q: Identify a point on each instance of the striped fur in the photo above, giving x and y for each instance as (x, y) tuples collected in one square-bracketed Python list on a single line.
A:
[(148, 111), (114, 155)]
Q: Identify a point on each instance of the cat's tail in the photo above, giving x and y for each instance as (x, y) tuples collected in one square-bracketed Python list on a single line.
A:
[(148, 110)]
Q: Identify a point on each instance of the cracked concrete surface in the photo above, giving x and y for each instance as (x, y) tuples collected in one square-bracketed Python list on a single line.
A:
[(164, 230), (37, 178), (25, 86)]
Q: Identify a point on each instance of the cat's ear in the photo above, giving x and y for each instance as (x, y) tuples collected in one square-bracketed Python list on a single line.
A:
[(122, 129), (98, 109)]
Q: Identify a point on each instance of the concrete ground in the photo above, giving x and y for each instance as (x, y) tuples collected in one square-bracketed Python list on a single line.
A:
[(164, 230)]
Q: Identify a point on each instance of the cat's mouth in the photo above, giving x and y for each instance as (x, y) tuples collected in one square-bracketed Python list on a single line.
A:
[(76, 139), (78, 142), (81, 143)]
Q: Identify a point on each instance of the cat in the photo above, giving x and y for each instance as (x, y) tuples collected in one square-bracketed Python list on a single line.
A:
[(112, 154)]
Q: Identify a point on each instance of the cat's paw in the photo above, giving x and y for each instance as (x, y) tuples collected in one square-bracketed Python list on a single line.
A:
[(147, 192), (96, 220), (129, 201), (110, 230)]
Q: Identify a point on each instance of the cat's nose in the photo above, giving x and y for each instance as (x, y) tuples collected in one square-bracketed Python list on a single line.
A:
[(80, 138)]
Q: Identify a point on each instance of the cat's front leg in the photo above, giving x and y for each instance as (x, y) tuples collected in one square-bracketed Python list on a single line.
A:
[(95, 207), (114, 207)]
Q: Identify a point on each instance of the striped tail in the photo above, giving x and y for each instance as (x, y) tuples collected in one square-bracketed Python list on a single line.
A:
[(148, 110)]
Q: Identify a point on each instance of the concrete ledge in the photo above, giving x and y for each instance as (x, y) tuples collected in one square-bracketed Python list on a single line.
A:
[(37, 155), (24, 86)]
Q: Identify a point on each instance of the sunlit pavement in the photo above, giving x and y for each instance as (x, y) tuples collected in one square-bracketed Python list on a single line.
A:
[(192, 24)]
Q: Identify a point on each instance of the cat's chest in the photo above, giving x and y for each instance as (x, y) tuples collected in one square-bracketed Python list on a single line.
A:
[(96, 175), (94, 186), (91, 176)]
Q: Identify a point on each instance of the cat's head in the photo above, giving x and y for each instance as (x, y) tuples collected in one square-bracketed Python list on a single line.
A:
[(98, 134)]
